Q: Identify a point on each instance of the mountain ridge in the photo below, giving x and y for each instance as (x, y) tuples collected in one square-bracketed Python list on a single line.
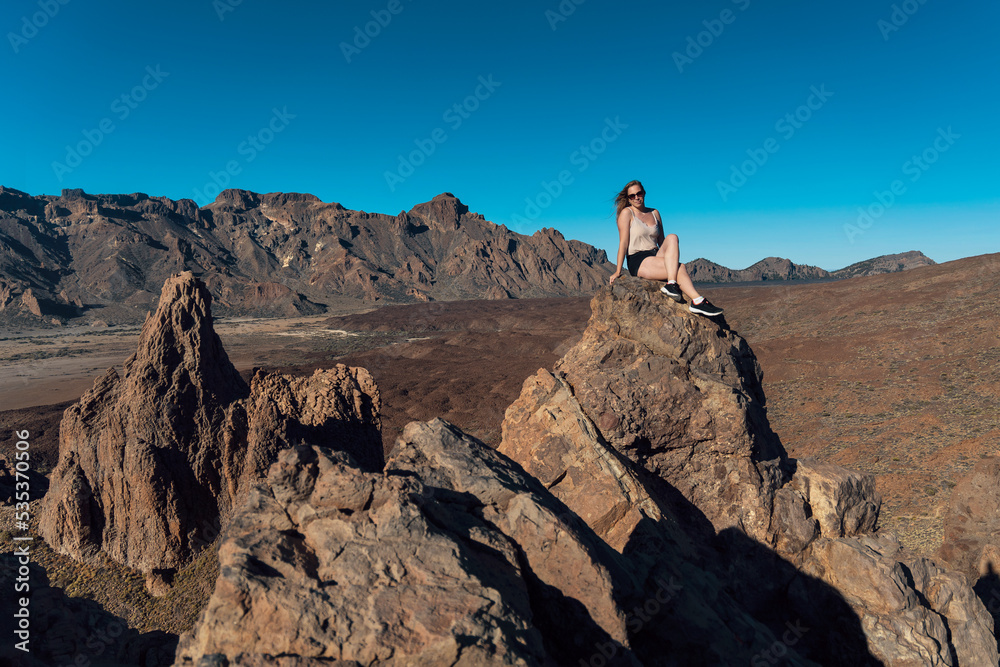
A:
[(779, 268), (103, 257)]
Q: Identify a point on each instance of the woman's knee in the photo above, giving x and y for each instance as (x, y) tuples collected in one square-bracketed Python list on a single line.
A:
[(671, 239)]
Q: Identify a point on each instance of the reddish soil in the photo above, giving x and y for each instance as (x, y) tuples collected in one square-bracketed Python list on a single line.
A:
[(898, 375), (465, 361)]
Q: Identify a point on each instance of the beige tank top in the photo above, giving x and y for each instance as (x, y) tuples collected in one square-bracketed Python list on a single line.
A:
[(641, 236)]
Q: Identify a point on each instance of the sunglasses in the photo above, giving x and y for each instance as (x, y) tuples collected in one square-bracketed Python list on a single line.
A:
[(640, 193)]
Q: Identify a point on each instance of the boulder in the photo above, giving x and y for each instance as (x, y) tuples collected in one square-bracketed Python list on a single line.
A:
[(843, 501), (912, 611)]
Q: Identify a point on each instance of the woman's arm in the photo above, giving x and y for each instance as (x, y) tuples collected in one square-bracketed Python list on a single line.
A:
[(624, 225), (659, 228)]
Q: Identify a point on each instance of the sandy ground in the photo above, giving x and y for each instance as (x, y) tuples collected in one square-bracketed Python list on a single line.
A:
[(48, 366)]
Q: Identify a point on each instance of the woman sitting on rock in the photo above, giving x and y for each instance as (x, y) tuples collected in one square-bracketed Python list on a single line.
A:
[(651, 255)]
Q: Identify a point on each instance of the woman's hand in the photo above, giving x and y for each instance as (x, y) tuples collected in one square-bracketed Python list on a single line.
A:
[(614, 276)]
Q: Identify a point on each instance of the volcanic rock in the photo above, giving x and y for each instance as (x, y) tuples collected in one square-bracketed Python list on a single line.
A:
[(912, 611), (843, 501), (451, 556), (560, 447), (337, 407), (682, 398), (153, 460), (971, 544), (653, 429), (31, 302)]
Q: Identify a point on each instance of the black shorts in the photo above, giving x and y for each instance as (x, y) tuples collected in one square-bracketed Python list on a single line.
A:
[(635, 261)]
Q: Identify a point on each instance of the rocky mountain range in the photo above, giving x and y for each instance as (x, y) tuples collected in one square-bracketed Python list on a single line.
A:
[(104, 257), (778, 268), (638, 511)]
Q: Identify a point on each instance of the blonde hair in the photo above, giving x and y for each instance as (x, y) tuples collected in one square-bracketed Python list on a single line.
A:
[(621, 200)]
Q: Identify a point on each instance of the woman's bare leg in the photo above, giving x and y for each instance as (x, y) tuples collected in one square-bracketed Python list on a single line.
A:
[(652, 269), (686, 284), (670, 251)]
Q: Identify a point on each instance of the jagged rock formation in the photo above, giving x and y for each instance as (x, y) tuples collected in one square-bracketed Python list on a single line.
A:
[(105, 256), (452, 555), (152, 460), (634, 534), (656, 397), (779, 268), (639, 512)]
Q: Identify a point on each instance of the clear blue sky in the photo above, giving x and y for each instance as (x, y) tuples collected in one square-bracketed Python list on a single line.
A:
[(758, 127)]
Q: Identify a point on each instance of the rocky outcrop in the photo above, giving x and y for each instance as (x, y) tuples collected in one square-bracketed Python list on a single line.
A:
[(276, 254), (151, 460), (560, 447), (912, 611), (452, 555), (639, 512), (653, 429), (842, 501), (681, 398), (337, 407)]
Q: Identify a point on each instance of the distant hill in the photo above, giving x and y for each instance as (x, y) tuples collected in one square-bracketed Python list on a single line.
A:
[(104, 257), (778, 268)]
